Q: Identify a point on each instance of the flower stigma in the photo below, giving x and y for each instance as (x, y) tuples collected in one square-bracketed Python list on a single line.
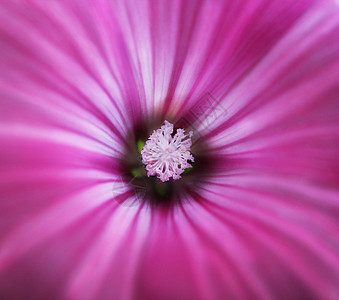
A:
[(166, 155)]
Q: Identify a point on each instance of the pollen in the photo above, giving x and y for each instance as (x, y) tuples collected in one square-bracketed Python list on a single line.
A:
[(167, 155)]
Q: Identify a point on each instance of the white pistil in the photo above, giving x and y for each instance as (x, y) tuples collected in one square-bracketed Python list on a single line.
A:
[(165, 155)]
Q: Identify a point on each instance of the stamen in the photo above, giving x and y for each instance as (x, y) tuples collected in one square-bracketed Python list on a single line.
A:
[(165, 155)]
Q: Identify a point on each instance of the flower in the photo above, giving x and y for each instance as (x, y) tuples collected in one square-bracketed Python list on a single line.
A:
[(84, 84)]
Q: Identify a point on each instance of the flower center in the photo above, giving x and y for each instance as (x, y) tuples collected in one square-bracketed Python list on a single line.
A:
[(165, 155)]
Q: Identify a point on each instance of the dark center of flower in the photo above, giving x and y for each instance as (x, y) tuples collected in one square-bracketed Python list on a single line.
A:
[(153, 163)]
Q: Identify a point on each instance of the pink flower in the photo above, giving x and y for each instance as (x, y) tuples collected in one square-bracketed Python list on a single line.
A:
[(84, 84)]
